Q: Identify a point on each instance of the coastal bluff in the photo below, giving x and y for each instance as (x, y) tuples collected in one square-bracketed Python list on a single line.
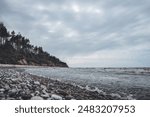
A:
[(16, 49)]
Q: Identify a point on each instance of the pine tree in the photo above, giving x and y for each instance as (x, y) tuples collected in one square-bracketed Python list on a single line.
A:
[(3, 34)]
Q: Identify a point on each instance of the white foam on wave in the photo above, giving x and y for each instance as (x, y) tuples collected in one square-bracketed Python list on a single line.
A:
[(95, 89)]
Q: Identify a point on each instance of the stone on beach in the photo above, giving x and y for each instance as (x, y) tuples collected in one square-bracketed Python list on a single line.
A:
[(24, 86), (7, 87), (2, 90), (36, 83), (46, 95), (56, 97)]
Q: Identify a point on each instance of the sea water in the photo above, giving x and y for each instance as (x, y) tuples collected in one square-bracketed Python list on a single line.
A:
[(131, 83)]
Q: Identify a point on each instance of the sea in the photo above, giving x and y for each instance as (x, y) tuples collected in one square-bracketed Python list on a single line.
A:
[(126, 83)]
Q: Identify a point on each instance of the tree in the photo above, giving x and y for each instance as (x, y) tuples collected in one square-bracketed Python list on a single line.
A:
[(3, 33), (18, 48), (36, 50), (40, 49), (13, 33)]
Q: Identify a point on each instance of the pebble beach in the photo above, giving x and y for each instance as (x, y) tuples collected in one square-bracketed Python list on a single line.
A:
[(15, 84)]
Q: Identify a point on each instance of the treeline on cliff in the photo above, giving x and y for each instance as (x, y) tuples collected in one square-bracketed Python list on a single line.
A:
[(16, 49)]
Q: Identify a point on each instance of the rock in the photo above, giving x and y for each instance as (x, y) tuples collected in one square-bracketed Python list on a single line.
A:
[(50, 85), (26, 96), (36, 83), (61, 92), (44, 91), (37, 93), (30, 86), (69, 97), (23, 84), (46, 95), (32, 94), (130, 97), (13, 91), (12, 95), (1, 94), (2, 90), (56, 97), (7, 87), (43, 87), (49, 98), (36, 98)]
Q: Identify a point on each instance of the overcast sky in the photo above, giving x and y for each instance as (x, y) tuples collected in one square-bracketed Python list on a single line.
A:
[(84, 33)]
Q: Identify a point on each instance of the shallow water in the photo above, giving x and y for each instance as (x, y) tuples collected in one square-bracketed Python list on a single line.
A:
[(127, 83)]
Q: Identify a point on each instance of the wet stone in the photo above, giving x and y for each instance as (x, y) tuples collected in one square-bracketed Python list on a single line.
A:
[(2, 90), (69, 97), (37, 83), (7, 87), (56, 97), (26, 96), (1, 95), (46, 95), (62, 92), (36, 93)]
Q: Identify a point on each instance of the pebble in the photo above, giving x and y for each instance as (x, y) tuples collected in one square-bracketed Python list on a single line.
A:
[(62, 92), (20, 85), (46, 95), (69, 97), (37, 93), (1, 94), (2, 90), (7, 87), (43, 87), (26, 96), (13, 91), (56, 97), (36, 83)]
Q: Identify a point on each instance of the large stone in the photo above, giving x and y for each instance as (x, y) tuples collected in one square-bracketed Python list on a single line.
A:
[(69, 97), (2, 90), (7, 87), (36, 82), (62, 92), (26, 96), (1, 94), (56, 97), (36, 93), (43, 87), (36, 98), (46, 95), (13, 90)]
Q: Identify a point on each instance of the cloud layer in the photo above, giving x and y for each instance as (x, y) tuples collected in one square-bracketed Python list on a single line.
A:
[(86, 33)]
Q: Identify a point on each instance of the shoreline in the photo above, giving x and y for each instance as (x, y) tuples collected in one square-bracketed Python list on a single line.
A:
[(27, 66), (36, 66), (19, 66), (17, 85)]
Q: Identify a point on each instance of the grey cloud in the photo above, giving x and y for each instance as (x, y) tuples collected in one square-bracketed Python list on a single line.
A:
[(119, 25)]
